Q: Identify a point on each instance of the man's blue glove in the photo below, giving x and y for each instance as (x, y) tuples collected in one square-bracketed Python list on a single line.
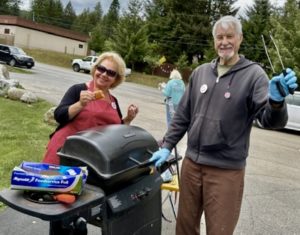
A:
[(287, 82), (160, 156)]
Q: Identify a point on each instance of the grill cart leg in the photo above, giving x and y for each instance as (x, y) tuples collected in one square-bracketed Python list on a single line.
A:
[(76, 227)]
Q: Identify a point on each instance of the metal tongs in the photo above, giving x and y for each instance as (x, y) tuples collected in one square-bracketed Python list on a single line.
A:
[(278, 84)]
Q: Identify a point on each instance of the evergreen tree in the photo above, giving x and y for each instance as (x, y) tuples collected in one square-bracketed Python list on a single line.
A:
[(14, 7), (10, 7), (111, 19), (55, 13), (38, 10), (287, 37), (97, 40), (290, 12), (90, 22), (95, 16), (255, 25), (47, 11), (69, 15), (184, 26), (4, 7), (130, 38), (178, 27), (82, 23), (221, 8)]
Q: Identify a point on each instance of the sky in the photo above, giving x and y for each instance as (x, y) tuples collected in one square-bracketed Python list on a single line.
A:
[(79, 5)]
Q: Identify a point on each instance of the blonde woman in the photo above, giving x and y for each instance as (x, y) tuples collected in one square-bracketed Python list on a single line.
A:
[(90, 104)]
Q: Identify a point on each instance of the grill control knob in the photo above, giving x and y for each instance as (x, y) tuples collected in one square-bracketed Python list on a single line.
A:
[(81, 225), (147, 190), (141, 194)]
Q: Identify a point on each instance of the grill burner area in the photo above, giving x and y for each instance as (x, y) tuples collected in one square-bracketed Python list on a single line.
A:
[(40, 197)]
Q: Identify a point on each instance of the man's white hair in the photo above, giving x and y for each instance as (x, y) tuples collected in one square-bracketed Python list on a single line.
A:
[(227, 21)]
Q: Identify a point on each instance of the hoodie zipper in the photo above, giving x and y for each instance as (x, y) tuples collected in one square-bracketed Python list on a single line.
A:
[(206, 109)]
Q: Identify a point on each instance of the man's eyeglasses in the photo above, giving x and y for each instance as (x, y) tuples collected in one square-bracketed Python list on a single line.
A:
[(109, 72)]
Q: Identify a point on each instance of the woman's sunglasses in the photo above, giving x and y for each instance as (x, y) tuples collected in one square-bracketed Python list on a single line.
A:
[(109, 72)]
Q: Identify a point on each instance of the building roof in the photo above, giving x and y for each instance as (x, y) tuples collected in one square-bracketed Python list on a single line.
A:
[(21, 22)]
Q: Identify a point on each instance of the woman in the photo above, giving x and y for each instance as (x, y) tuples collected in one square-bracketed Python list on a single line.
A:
[(173, 92), (90, 104)]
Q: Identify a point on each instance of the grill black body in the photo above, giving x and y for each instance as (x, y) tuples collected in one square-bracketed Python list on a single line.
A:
[(121, 196)]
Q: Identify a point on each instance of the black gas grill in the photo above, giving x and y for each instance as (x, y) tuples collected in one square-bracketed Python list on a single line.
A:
[(122, 196)]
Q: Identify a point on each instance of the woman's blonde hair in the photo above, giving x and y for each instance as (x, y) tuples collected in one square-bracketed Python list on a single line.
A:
[(118, 60), (175, 74)]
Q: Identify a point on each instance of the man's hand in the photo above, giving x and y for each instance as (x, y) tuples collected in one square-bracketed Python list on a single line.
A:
[(287, 82), (160, 156)]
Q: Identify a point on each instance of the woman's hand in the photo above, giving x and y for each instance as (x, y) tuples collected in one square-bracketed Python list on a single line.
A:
[(132, 111), (86, 97)]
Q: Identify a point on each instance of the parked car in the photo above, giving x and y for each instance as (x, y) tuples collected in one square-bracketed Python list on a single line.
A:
[(15, 56), (86, 64), (293, 107)]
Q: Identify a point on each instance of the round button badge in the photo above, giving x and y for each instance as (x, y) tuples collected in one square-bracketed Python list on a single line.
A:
[(227, 95), (113, 105), (203, 88)]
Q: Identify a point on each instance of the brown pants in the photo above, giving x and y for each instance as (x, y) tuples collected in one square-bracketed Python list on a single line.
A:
[(216, 192)]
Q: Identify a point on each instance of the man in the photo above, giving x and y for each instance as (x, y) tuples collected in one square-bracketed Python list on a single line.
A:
[(217, 111)]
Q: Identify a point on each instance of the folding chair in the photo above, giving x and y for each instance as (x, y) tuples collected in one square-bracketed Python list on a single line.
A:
[(170, 175), (173, 188), (172, 184)]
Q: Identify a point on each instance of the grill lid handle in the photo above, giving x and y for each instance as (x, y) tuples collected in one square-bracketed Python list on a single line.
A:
[(142, 164)]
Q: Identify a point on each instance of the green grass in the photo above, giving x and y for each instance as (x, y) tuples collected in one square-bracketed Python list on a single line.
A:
[(23, 136), (18, 70), (51, 57)]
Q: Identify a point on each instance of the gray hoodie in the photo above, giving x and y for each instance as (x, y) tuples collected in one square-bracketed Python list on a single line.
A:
[(217, 113)]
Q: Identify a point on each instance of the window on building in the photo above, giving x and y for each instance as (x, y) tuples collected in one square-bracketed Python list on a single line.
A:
[(80, 46), (6, 31)]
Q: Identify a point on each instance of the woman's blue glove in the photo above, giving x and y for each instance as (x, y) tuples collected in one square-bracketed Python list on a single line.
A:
[(160, 156), (287, 82)]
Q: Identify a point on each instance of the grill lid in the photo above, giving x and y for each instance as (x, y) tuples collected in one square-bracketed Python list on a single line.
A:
[(114, 153)]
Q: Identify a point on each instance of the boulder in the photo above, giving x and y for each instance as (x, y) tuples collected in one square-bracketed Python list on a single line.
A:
[(10, 88), (15, 93), (29, 97), (5, 84), (4, 72), (49, 117)]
